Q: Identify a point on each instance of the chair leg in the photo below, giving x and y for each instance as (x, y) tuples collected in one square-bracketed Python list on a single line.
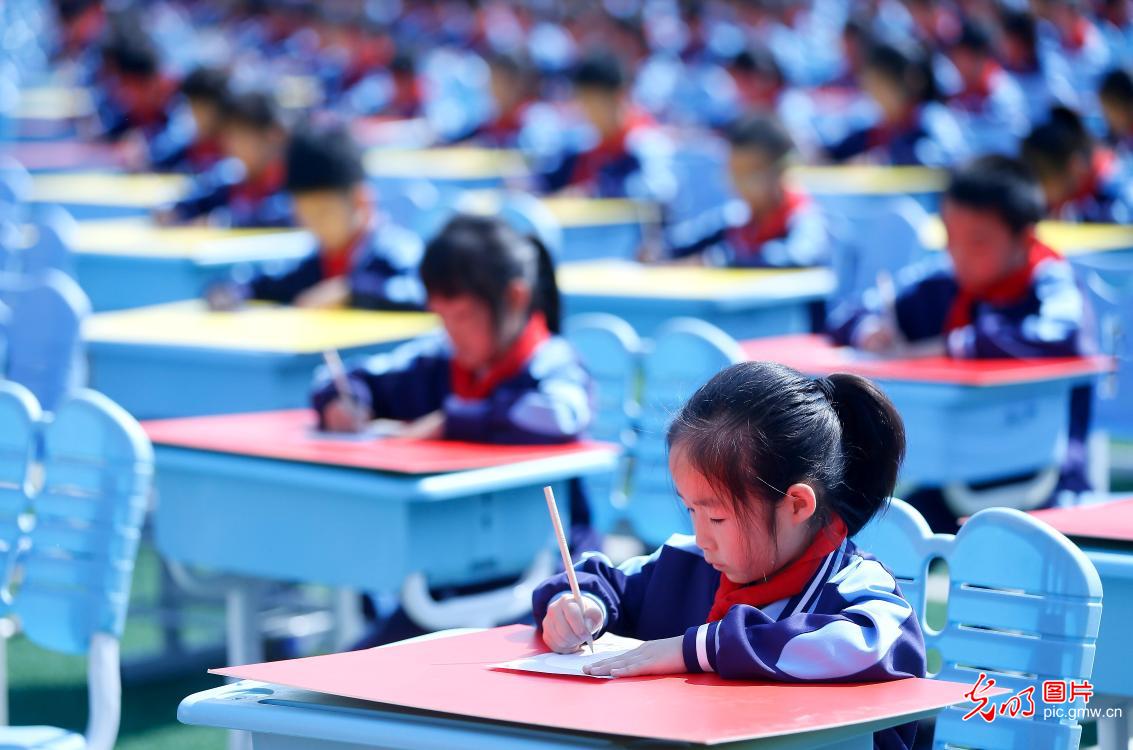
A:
[(5, 625), (1114, 733)]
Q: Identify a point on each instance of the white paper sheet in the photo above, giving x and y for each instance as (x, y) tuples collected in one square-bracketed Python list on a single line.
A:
[(605, 647)]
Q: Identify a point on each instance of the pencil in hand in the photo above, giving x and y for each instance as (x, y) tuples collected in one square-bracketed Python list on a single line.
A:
[(553, 508)]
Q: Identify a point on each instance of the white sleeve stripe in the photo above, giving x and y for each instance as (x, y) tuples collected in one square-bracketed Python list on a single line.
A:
[(819, 579), (702, 648)]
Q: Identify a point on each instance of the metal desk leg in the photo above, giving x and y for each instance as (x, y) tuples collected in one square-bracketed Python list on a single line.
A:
[(349, 622), (244, 643)]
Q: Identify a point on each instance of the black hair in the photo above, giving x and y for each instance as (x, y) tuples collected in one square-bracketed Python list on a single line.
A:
[(206, 84), (758, 60), (1117, 87), (404, 62), (480, 256), (1021, 25), (975, 37), (1050, 147), (253, 109), (130, 51), (600, 71), (764, 133), (323, 158), (757, 428), (69, 10), (908, 66), (1002, 185)]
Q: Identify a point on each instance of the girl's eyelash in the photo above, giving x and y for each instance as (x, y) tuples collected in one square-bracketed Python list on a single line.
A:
[(716, 520)]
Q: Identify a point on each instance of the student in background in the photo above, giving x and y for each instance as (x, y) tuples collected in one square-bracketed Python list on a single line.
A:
[(616, 165), (1044, 80), (191, 142), (988, 104), (777, 472), (771, 224), (914, 128), (135, 97), (247, 188), (361, 259), (1082, 180), (1116, 98), (513, 87), (499, 373), (998, 293)]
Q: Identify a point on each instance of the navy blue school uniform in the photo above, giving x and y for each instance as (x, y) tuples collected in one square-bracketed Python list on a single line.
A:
[(178, 147), (1105, 197), (226, 197), (614, 168), (847, 621), (380, 265), (992, 111), (930, 138), (538, 394), (793, 236), (1038, 312)]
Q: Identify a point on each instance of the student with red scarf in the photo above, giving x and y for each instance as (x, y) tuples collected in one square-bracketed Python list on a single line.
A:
[(246, 189), (770, 223), (777, 472), (998, 293), (988, 103), (360, 259)]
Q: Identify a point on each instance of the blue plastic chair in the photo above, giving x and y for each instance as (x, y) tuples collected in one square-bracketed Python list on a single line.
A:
[(55, 230), (1024, 606), (44, 344), (19, 423), (1113, 308), (685, 354), (78, 562), (611, 351), (873, 239)]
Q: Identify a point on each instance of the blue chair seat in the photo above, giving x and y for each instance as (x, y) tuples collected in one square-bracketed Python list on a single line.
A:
[(40, 738)]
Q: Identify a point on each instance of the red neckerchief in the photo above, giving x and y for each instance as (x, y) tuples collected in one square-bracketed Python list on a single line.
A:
[(505, 127), (611, 149), (469, 385), (785, 582), (750, 238), (265, 184), (1102, 164), (337, 261), (1075, 38), (203, 153), (972, 97), (150, 100), (407, 96), (1010, 289), (885, 133)]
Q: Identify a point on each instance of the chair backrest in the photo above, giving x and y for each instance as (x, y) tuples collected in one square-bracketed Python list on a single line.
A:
[(54, 238), (1024, 606), (44, 343), (685, 354), (1112, 306), (97, 473), (882, 236), (611, 350), (19, 425)]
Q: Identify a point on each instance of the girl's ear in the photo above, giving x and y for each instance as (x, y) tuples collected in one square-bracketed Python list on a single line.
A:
[(799, 504), (517, 296)]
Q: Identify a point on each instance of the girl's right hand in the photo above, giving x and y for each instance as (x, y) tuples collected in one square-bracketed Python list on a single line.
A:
[(341, 415), (566, 626)]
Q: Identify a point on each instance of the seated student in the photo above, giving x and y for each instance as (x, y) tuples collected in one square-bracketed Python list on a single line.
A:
[(513, 88), (614, 166), (914, 128), (1043, 79), (361, 259), (777, 472), (1068, 35), (1116, 98), (191, 141), (135, 96), (247, 188), (1081, 180), (999, 292), (988, 103), (500, 372), (771, 224)]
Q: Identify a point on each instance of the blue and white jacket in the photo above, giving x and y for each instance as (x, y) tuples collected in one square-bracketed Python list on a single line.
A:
[(382, 274), (849, 623)]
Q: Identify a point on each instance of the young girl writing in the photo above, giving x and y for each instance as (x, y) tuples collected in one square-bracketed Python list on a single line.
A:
[(777, 471)]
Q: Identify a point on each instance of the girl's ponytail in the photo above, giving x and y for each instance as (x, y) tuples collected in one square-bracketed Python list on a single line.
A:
[(547, 299), (873, 446)]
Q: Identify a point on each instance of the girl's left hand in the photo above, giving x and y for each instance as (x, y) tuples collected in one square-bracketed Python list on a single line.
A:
[(429, 427), (665, 656)]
